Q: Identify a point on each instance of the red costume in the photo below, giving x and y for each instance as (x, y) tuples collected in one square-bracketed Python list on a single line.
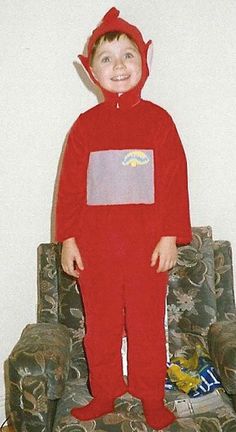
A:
[(123, 185)]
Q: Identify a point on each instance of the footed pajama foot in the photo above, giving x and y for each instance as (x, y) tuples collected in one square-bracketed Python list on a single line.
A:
[(95, 408), (157, 415)]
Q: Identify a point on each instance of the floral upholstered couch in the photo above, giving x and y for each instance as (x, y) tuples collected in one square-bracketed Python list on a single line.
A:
[(47, 370)]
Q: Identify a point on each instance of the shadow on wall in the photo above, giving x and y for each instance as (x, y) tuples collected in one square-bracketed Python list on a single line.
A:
[(91, 87)]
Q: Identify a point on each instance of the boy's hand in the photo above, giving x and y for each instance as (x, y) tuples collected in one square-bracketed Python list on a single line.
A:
[(70, 257), (166, 251)]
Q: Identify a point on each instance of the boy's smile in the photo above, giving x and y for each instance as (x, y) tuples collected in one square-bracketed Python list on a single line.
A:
[(117, 65)]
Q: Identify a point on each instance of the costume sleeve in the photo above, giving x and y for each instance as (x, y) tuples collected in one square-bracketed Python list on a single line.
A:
[(71, 192), (173, 189)]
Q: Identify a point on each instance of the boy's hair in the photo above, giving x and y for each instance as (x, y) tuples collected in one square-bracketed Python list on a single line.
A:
[(109, 36)]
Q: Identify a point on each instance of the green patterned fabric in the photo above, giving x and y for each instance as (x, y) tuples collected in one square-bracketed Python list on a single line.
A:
[(128, 415), (38, 369), (48, 369), (191, 299), (224, 281), (222, 348), (60, 300)]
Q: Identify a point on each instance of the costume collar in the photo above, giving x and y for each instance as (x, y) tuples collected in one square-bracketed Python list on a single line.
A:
[(125, 101)]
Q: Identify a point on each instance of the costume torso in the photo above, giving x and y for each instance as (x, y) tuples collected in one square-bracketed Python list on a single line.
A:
[(126, 154)]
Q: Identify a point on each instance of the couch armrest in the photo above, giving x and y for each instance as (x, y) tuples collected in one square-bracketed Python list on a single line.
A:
[(38, 367), (222, 349)]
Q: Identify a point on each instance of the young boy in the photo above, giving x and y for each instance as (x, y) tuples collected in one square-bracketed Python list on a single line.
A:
[(122, 207)]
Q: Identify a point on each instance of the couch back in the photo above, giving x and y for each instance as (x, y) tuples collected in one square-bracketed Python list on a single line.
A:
[(200, 290)]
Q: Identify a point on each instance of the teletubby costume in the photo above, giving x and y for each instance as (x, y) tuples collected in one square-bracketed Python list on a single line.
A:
[(123, 185)]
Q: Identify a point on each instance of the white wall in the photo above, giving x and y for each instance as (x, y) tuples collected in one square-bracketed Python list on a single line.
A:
[(193, 77)]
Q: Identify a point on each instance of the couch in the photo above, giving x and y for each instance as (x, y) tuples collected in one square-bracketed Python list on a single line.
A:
[(47, 370)]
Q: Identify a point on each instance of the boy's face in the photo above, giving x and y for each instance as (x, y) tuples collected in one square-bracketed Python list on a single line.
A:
[(117, 65)]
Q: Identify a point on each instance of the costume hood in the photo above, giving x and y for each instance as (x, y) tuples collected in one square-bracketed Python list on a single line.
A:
[(112, 22)]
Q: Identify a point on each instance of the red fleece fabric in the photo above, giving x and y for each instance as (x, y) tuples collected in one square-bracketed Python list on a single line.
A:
[(116, 241), (142, 125)]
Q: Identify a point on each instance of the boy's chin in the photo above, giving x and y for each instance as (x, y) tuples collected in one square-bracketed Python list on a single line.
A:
[(121, 90)]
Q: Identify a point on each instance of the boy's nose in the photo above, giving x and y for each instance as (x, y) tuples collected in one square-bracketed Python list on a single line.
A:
[(119, 64)]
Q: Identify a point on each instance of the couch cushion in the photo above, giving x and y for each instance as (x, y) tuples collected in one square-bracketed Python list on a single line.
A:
[(128, 414)]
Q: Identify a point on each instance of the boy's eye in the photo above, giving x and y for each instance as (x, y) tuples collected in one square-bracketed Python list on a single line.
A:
[(128, 55), (105, 59)]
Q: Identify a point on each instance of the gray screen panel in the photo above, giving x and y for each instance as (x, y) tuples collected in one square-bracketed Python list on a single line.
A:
[(120, 177)]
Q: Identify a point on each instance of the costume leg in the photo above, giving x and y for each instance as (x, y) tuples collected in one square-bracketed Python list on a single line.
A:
[(145, 293), (103, 302), (145, 310), (102, 293)]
